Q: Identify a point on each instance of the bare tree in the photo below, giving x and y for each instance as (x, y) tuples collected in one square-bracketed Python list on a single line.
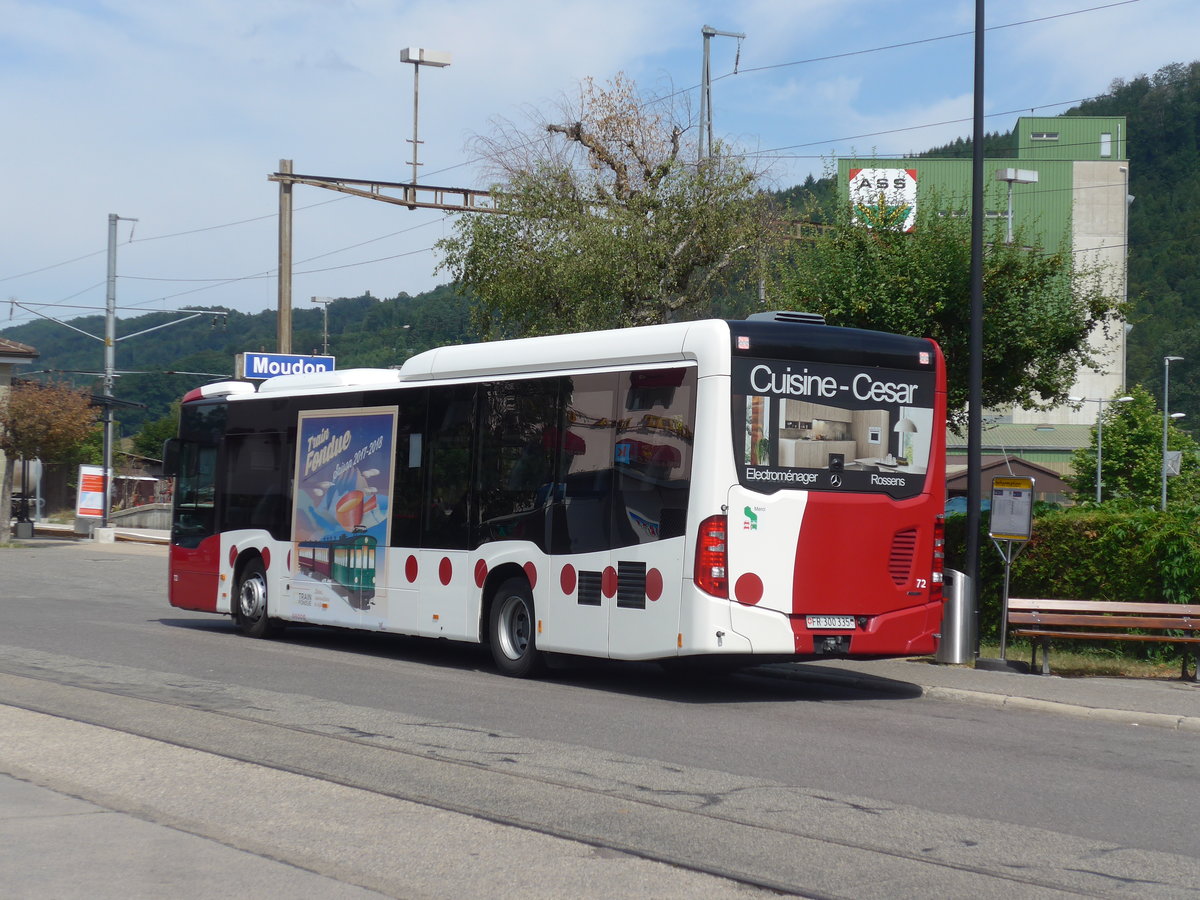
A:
[(606, 222)]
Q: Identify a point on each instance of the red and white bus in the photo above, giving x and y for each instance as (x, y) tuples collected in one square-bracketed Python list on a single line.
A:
[(771, 487)]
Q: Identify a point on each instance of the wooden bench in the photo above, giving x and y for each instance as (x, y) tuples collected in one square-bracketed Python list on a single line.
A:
[(1100, 620)]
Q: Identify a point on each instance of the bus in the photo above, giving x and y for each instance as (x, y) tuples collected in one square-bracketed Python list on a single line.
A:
[(763, 488)]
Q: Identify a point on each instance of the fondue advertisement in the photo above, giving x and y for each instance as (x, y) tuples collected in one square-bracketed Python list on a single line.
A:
[(343, 484)]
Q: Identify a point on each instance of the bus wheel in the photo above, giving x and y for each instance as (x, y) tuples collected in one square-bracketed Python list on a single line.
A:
[(514, 647), (250, 605)]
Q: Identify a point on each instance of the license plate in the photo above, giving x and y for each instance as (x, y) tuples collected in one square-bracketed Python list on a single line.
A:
[(830, 622)]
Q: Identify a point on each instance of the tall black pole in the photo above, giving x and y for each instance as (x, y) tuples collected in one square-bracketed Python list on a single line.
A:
[(975, 362)]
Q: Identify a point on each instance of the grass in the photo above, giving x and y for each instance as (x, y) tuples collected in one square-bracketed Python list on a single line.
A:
[(1083, 662)]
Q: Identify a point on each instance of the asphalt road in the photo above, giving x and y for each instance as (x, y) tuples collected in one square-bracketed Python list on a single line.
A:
[(731, 785)]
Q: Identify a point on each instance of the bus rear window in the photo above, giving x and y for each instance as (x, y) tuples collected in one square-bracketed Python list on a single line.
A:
[(829, 427)]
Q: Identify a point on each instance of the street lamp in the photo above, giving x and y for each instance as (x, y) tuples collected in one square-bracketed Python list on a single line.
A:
[(324, 301), (1014, 176), (420, 57), (1167, 360), (1099, 431)]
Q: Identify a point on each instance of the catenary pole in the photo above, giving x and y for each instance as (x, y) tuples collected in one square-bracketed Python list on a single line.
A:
[(975, 351)]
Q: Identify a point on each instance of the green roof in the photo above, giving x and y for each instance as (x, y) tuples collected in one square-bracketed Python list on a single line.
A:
[(1011, 438)]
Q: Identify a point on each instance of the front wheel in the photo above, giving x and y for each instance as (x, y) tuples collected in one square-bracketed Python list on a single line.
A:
[(514, 646), (250, 605)]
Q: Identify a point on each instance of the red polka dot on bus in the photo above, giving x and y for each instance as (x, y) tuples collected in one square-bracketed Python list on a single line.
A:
[(608, 582), (480, 573), (566, 580), (289, 558), (654, 584), (749, 589), (531, 574), (232, 556), (410, 569), (445, 570), (266, 558)]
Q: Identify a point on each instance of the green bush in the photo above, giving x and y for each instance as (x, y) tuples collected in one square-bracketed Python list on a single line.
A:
[(1112, 552)]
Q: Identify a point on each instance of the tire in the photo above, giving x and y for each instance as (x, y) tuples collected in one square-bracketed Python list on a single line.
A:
[(250, 605), (512, 632)]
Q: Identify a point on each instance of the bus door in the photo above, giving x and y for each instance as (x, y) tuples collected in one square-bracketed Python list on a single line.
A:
[(580, 540), (195, 544), (651, 482)]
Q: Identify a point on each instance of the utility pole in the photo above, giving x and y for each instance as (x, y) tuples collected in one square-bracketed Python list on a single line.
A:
[(110, 358), (706, 127), (283, 327), (110, 339)]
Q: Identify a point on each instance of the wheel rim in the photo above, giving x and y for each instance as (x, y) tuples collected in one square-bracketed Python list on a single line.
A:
[(252, 598), (514, 627)]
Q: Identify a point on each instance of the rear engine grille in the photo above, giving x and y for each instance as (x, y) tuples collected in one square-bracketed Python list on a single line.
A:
[(904, 547)]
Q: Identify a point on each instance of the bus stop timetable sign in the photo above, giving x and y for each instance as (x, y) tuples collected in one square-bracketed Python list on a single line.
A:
[(1012, 508)]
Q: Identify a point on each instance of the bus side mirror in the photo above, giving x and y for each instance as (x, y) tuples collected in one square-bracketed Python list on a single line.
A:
[(170, 457)]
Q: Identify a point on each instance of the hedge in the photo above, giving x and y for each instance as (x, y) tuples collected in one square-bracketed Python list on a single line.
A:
[(1088, 553)]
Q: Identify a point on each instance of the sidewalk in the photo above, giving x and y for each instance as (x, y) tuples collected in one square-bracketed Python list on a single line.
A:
[(1160, 702)]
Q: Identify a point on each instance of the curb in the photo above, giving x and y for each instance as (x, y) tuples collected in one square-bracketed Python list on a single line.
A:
[(1099, 714), (994, 700), (68, 531)]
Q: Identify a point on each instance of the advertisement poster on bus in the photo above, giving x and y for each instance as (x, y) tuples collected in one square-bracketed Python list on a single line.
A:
[(341, 521), (831, 427)]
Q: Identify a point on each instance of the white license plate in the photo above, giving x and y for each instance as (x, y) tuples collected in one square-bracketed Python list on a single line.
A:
[(830, 622)]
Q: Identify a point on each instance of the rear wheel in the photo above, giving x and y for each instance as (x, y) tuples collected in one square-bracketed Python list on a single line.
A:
[(250, 606), (514, 645)]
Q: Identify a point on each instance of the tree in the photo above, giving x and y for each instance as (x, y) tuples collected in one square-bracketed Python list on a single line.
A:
[(149, 441), (40, 420), (604, 225), (1040, 307), (1132, 456)]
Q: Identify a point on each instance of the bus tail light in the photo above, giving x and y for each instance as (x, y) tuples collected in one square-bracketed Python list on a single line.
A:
[(712, 557), (939, 559)]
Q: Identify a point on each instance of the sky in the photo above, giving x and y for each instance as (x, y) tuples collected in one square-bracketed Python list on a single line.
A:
[(175, 114)]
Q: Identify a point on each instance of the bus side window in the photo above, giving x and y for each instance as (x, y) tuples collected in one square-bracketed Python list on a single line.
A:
[(451, 423), (653, 458), (254, 484), (408, 494), (518, 437)]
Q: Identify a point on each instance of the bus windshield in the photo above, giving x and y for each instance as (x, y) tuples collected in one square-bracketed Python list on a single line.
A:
[(831, 427)]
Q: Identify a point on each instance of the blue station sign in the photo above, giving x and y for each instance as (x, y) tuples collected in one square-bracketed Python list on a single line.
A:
[(259, 366)]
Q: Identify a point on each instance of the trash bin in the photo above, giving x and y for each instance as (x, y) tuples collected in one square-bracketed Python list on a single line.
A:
[(957, 643)]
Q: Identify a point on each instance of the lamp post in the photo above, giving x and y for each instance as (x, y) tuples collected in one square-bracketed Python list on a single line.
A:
[(1167, 360), (421, 57), (1099, 432), (324, 301), (1014, 176)]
